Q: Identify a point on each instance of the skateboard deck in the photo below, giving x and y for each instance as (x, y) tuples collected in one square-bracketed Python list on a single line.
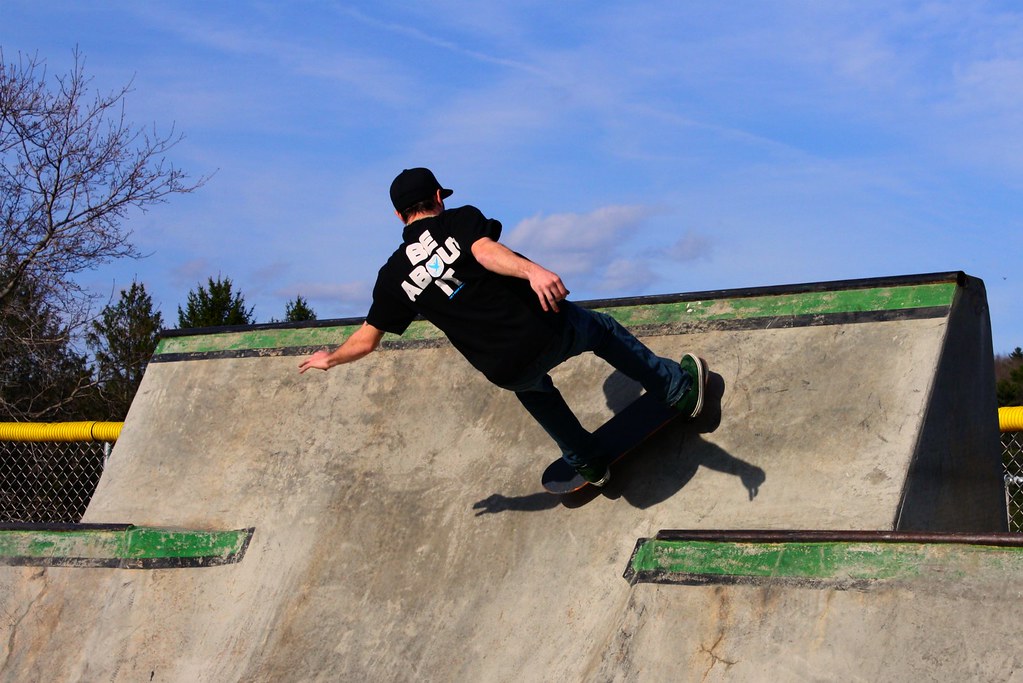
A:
[(619, 436)]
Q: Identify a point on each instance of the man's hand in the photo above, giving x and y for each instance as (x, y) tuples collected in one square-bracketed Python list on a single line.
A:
[(319, 361), (548, 287), (362, 343)]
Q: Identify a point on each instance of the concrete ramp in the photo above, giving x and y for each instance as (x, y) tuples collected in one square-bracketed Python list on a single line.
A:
[(388, 522)]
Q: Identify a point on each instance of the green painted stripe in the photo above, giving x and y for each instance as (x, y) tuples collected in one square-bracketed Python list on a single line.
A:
[(127, 546), (784, 305), (895, 298), (155, 543), (269, 339), (811, 563)]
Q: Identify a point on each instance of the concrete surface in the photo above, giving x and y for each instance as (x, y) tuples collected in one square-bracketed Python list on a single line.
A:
[(401, 532)]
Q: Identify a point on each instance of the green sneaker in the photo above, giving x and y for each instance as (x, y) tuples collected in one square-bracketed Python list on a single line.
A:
[(691, 403), (598, 475)]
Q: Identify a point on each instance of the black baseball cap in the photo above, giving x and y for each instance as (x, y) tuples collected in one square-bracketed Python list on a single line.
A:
[(414, 185)]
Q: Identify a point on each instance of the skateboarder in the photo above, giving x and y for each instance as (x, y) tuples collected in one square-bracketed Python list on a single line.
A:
[(507, 315)]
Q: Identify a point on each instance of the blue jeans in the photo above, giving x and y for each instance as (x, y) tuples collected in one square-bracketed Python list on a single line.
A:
[(587, 330)]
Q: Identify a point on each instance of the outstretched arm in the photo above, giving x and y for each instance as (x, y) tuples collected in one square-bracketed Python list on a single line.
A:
[(365, 340), (499, 259)]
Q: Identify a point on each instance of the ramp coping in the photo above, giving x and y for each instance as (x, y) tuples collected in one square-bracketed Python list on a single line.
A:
[(122, 546), (816, 558), (795, 305)]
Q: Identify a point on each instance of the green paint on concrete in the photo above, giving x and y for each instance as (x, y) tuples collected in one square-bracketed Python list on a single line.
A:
[(812, 563), (121, 546), (787, 305), (153, 543), (257, 339), (897, 298), (270, 339)]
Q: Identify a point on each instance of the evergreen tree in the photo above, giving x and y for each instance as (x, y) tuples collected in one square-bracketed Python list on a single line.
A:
[(298, 311), (1009, 378), (214, 306), (1010, 390), (41, 375), (123, 340)]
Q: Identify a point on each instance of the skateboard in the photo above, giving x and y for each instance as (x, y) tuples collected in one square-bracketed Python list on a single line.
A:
[(619, 436)]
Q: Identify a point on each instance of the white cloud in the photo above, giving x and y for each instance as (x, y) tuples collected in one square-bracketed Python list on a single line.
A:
[(590, 251), (599, 230), (189, 274), (410, 33), (626, 276), (690, 247)]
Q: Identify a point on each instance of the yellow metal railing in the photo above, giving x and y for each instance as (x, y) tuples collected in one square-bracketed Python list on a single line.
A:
[(60, 431), (1010, 419)]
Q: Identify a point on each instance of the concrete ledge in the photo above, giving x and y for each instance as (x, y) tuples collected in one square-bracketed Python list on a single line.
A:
[(818, 559), (121, 546)]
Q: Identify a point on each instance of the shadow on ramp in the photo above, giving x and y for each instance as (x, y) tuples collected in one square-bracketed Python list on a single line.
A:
[(658, 470)]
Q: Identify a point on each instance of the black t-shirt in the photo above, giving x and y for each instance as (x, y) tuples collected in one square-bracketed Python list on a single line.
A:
[(495, 321)]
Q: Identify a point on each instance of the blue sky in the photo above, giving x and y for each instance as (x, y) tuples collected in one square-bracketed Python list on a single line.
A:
[(635, 148)]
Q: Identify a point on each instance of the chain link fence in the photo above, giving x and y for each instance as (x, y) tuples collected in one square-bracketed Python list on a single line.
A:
[(1012, 458), (49, 481)]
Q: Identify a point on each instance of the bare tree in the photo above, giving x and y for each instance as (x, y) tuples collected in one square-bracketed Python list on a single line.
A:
[(72, 167)]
